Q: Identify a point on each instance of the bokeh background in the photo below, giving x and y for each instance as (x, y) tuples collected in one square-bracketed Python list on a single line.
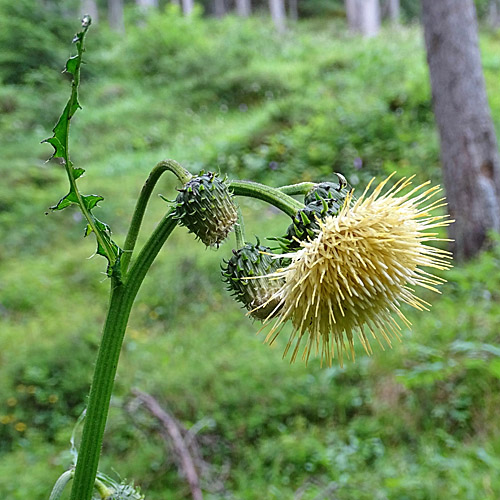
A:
[(281, 100)]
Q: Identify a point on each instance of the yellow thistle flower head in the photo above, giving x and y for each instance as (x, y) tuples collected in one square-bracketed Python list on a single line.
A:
[(358, 270)]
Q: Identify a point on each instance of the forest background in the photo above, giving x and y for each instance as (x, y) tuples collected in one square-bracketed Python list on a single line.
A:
[(253, 100)]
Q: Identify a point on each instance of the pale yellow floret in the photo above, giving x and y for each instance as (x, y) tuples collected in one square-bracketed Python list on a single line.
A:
[(362, 265)]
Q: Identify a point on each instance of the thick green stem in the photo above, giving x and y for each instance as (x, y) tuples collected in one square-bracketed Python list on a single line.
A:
[(140, 208), (121, 301), (271, 195), (100, 394)]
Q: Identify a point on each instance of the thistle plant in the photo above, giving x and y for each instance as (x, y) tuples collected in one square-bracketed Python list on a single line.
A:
[(348, 265)]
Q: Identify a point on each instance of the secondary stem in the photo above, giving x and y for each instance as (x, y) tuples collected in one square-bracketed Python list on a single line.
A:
[(300, 188), (142, 202), (271, 195)]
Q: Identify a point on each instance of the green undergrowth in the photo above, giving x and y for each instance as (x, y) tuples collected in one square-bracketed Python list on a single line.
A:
[(415, 422)]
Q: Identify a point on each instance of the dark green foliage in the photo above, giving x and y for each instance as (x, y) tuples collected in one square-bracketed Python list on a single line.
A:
[(253, 261), (205, 206), (47, 389), (33, 37)]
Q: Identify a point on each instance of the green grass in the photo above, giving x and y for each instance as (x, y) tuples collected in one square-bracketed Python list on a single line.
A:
[(415, 422)]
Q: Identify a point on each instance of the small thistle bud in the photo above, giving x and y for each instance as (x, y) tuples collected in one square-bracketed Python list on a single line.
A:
[(247, 276), (329, 190), (305, 224), (205, 206), (110, 489)]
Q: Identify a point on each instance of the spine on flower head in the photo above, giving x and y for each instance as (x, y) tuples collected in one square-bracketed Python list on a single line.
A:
[(247, 277), (205, 206)]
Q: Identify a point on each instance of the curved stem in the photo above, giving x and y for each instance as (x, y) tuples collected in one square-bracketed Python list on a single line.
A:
[(271, 195), (301, 188), (61, 483), (140, 208), (121, 301)]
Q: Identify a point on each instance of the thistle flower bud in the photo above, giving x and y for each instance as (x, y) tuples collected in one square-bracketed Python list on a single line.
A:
[(324, 200), (305, 224), (329, 190), (111, 489), (205, 206), (247, 276)]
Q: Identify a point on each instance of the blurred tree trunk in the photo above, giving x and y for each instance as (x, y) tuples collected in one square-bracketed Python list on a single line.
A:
[(363, 16), (147, 4), (90, 7), (115, 15), (187, 6), (243, 8), (469, 151), (277, 8), (494, 13), (219, 8), (293, 9), (393, 11)]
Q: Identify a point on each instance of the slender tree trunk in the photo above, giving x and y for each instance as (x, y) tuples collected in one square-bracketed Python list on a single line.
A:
[(115, 15), (494, 13), (277, 8), (363, 16), (90, 7), (293, 9), (219, 8), (243, 8), (393, 11), (187, 7), (351, 10), (469, 150)]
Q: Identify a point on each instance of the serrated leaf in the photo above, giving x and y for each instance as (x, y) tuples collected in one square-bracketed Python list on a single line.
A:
[(91, 200), (66, 201), (72, 64), (78, 172), (59, 141)]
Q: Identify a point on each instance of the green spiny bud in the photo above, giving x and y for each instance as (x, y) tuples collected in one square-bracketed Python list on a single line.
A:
[(247, 276), (205, 206), (305, 225), (325, 199), (125, 491), (329, 190), (110, 489)]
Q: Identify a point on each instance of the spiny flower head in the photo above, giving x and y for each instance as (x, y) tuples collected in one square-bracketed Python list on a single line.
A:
[(358, 270), (205, 206)]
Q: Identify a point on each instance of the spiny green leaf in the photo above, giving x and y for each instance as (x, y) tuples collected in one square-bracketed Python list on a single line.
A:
[(72, 65), (59, 141)]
